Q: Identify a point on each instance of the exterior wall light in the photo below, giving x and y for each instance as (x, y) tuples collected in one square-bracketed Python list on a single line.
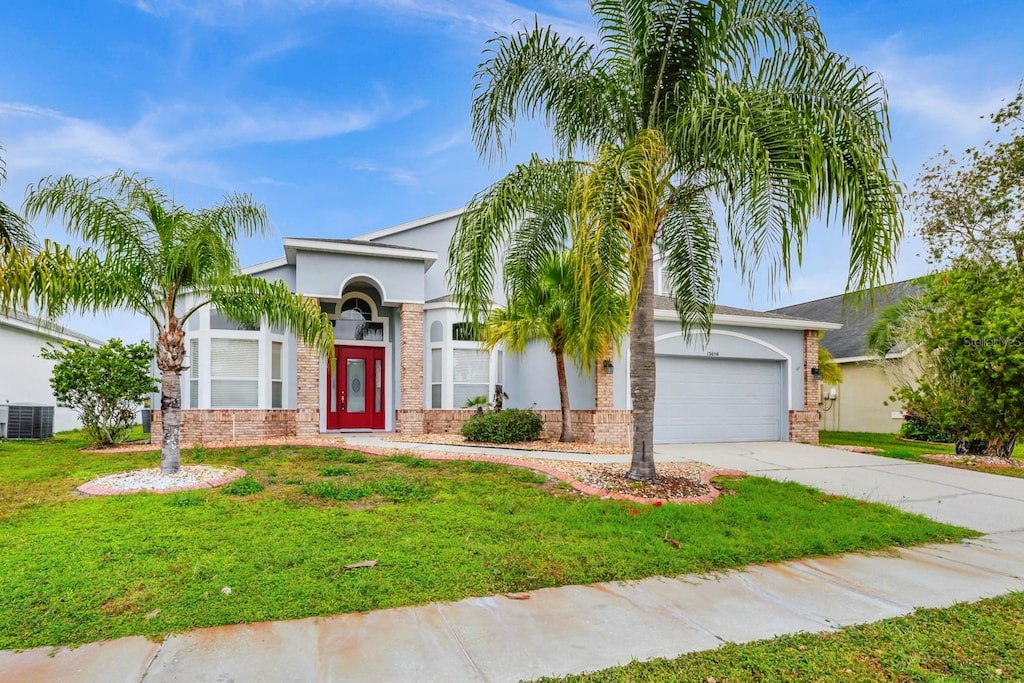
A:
[(609, 367), (816, 372)]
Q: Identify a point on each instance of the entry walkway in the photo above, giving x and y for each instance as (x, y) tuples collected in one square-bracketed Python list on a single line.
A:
[(580, 628)]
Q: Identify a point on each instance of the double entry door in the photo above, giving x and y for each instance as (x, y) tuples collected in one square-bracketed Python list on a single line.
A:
[(355, 390)]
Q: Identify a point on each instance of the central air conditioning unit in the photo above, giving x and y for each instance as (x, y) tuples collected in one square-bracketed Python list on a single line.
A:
[(29, 421)]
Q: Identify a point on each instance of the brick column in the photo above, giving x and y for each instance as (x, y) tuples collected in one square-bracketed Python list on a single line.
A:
[(611, 427), (307, 390), (604, 387), (409, 417), (804, 424)]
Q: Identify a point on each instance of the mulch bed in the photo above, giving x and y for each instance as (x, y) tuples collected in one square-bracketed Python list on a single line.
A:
[(976, 461)]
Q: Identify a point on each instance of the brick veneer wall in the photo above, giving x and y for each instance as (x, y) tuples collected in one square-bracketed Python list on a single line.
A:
[(804, 424), (600, 427), (409, 416), (307, 390), (205, 426)]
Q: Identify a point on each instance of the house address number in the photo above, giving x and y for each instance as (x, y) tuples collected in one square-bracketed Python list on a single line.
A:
[(713, 354)]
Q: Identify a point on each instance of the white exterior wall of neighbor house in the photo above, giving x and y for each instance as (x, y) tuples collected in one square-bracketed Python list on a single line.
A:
[(25, 375)]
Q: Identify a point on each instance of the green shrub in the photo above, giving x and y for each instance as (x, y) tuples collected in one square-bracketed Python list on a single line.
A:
[(335, 471), (243, 486), (506, 426), (920, 429)]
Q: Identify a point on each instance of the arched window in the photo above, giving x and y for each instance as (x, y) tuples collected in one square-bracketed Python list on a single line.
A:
[(356, 321)]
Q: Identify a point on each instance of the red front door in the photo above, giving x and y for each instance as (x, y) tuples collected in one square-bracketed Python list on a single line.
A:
[(355, 392)]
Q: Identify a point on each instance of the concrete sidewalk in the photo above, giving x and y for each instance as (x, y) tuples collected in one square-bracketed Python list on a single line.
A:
[(557, 630), (580, 628)]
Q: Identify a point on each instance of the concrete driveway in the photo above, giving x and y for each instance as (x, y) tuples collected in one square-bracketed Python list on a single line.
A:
[(986, 502)]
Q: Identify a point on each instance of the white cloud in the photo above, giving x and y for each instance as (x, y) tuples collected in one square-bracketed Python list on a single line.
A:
[(175, 138), (932, 89), (473, 15), (444, 143), (397, 174)]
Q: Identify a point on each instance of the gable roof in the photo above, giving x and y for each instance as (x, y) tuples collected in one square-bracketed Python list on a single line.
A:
[(665, 309), (851, 341), (411, 225), (45, 328), (356, 247)]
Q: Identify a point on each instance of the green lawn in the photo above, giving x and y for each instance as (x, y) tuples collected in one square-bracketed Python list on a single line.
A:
[(894, 447), (76, 569), (980, 642)]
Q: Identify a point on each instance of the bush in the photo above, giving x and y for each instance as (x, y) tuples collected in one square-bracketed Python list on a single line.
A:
[(920, 429), (104, 385), (507, 426), (244, 486)]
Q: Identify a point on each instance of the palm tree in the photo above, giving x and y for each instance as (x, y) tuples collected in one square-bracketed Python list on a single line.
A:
[(682, 104), (831, 372), (545, 308), (15, 233), (151, 256)]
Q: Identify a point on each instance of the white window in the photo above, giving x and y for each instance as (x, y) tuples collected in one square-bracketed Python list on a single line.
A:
[(276, 375), (471, 375), (234, 373), (193, 373), (436, 377)]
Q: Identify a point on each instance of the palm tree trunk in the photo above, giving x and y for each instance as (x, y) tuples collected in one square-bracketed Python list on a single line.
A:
[(170, 355), (641, 375), (563, 395), (170, 411)]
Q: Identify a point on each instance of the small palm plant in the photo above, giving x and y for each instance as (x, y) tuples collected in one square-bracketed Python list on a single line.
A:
[(544, 305)]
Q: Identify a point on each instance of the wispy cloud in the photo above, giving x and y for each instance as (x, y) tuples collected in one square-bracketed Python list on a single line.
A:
[(474, 15), (924, 86), (176, 138), (444, 143), (397, 174)]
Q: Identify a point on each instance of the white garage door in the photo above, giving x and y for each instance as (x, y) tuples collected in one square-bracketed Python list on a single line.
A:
[(702, 400)]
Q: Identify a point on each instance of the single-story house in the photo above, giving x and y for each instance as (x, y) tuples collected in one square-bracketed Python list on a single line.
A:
[(24, 374), (408, 363), (861, 402)]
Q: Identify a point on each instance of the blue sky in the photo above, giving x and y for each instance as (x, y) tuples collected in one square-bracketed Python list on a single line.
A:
[(345, 116)]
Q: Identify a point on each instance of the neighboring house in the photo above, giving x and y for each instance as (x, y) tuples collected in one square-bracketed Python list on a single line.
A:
[(24, 374), (407, 362), (861, 402)]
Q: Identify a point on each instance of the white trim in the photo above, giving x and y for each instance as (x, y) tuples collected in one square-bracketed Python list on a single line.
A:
[(49, 330), (755, 321), (377, 283), (411, 225), (265, 265), (292, 244), (862, 359), (787, 359)]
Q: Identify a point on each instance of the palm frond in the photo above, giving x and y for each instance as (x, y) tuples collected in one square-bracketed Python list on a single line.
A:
[(527, 198), (254, 301), (539, 74)]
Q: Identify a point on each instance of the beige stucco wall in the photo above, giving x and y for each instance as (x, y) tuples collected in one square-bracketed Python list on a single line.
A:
[(861, 399)]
